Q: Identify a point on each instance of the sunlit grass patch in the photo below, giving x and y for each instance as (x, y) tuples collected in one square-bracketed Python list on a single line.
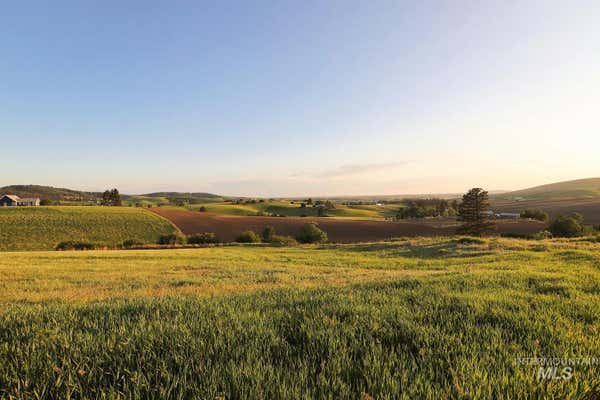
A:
[(424, 318)]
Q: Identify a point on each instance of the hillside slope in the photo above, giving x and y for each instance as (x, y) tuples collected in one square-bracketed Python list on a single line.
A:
[(589, 187), (42, 228), (293, 209), (77, 197), (50, 193)]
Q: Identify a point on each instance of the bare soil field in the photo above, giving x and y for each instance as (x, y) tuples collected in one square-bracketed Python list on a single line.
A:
[(589, 207), (228, 227)]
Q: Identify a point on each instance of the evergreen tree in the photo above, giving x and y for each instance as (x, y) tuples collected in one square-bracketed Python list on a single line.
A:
[(115, 198), (472, 211)]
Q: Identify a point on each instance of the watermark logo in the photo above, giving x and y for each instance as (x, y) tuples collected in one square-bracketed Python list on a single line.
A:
[(556, 368), (555, 373)]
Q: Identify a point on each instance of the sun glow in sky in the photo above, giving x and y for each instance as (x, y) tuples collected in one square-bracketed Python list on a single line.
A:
[(299, 98)]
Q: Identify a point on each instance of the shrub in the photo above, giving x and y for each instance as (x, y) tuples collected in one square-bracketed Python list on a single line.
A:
[(248, 237), (172, 238), (542, 235), (535, 213), (131, 243), (45, 202), (75, 245), (202, 209), (470, 240), (203, 238), (566, 226), (310, 233), (267, 234)]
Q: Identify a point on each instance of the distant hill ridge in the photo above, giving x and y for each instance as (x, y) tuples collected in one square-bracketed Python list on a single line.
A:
[(181, 194), (589, 187), (76, 196), (49, 193), (580, 188)]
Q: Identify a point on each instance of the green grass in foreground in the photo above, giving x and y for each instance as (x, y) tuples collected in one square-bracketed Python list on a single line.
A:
[(425, 318), (42, 228)]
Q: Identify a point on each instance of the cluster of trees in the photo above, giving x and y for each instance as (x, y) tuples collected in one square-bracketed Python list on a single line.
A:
[(309, 233), (328, 204), (568, 226), (421, 208), (111, 198), (321, 206), (179, 238), (246, 201), (535, 213)]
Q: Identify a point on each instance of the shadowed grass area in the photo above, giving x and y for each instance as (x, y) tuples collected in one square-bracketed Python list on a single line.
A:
[(386, 320)]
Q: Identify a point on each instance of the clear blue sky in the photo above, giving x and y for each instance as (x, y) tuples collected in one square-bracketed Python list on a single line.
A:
[(299, 98)]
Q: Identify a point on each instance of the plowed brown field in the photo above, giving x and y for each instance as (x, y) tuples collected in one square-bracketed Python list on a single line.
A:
[(228, 227)]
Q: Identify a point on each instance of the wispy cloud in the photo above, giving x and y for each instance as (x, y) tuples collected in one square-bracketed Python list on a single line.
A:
[(351, 170)]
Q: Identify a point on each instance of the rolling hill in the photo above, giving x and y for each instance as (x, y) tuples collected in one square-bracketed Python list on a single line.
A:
[(568, 189), (77, 197), (293, 209), (582, 196), (42, 228), (51, 193), (171, 198)]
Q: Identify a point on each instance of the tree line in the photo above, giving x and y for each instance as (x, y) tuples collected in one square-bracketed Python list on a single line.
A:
[(111, 198), (422, 208)]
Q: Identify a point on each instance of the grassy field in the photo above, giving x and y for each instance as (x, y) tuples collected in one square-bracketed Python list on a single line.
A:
[(419, 318), (170, 199), (289, 209), (41, 228)]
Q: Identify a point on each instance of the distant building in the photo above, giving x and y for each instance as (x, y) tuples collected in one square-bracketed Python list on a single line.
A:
[(492, 214), (11, 200), (508, 215)]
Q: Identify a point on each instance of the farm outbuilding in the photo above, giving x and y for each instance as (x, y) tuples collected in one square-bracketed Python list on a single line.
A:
[(506, 215), (11, 200)]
